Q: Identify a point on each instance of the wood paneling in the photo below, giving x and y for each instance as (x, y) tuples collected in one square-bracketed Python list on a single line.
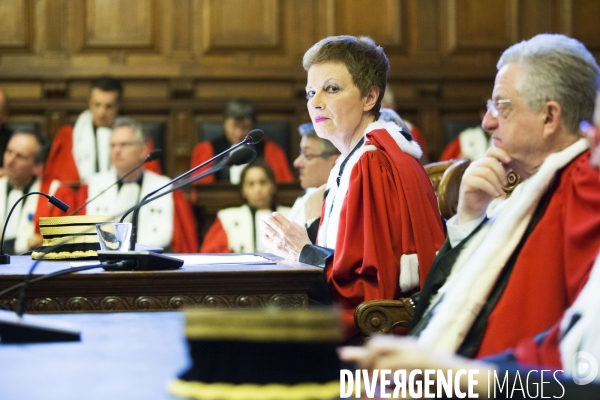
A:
[(119, 24), (181, 60), (585, 22), (383, 20), (16, 26), (241, 25), (480, 24)]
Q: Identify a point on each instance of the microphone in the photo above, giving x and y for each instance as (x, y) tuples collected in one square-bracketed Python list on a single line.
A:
[(55, 201), (242, 155), (253, 137), (153, 155)]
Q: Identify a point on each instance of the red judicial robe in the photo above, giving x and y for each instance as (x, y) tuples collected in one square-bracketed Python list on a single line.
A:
[(388, 222), (553, 265), (184, 237), (273, 156), (558, 257), (547, 273), (61, 164)]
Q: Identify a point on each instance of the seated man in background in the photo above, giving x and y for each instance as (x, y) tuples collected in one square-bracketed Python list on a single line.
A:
[(239, 119), (167, 222), (316, 159), (82, 150), (559, 347), (506, 276), (23, 165)]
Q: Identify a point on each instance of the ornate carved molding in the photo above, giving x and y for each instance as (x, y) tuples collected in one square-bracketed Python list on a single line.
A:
[(146, 303)]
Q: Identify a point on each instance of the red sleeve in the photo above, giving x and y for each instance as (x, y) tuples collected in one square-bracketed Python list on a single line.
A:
[(202, 152), (452, 151), (276, 158), (154, 165), (380, 222), (185, 237), (61, 164), (416, 134), (215, 240)]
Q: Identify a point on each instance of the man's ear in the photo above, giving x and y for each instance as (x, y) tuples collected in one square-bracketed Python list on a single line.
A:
[(552, 118), (371, 98)]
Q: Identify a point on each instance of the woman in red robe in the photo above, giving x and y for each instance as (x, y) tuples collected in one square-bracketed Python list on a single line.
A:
[(380, 225)]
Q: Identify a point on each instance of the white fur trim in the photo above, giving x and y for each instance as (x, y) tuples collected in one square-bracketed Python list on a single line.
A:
[(477, 268), (412, 148), (85, 144), (409, 272)]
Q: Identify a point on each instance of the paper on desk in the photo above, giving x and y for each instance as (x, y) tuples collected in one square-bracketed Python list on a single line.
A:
[(211, 259), (204, 259)]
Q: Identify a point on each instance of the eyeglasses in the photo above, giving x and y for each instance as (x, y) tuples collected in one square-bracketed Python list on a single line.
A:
[(309, 157), (492, 106)]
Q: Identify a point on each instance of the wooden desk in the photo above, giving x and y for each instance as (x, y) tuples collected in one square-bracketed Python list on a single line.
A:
[(283, 284)]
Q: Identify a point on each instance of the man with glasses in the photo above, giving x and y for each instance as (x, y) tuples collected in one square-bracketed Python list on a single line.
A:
[(316, 159), (167, 222), (509, 273)]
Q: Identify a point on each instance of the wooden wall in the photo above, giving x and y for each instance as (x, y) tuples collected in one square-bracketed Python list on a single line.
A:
[(182, 59)]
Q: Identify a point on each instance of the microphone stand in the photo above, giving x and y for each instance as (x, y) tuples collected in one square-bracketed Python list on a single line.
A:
[(153, 155), (5, 258), (245, 159)]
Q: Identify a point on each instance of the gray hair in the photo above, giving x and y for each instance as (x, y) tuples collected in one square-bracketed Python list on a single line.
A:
[(43, 145), (135, 127), (556, 68), (308, 130)]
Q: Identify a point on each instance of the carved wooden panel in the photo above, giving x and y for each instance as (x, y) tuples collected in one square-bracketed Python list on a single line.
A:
[(118, 24), (471, 25), (159, 303), (383, 20), (585, 23), (16, 25), (537, 16), (242, 24)]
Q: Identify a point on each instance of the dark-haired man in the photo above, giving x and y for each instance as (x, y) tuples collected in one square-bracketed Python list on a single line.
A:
[(239, 119), (82, 150), (23, 164)]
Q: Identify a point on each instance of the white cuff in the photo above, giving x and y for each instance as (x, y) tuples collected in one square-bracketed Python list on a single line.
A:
[(457, 233)]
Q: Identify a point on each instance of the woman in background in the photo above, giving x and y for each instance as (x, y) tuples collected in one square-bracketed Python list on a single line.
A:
[(236, 229)]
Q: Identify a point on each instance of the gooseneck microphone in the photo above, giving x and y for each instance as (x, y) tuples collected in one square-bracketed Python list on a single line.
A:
[(56, 202), (153, 155), (239, 156)]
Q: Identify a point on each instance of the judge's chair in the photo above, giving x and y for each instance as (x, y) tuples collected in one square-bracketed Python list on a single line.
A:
[(382, 316)]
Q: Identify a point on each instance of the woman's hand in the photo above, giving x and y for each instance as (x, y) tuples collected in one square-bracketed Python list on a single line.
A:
[(282, 236)]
